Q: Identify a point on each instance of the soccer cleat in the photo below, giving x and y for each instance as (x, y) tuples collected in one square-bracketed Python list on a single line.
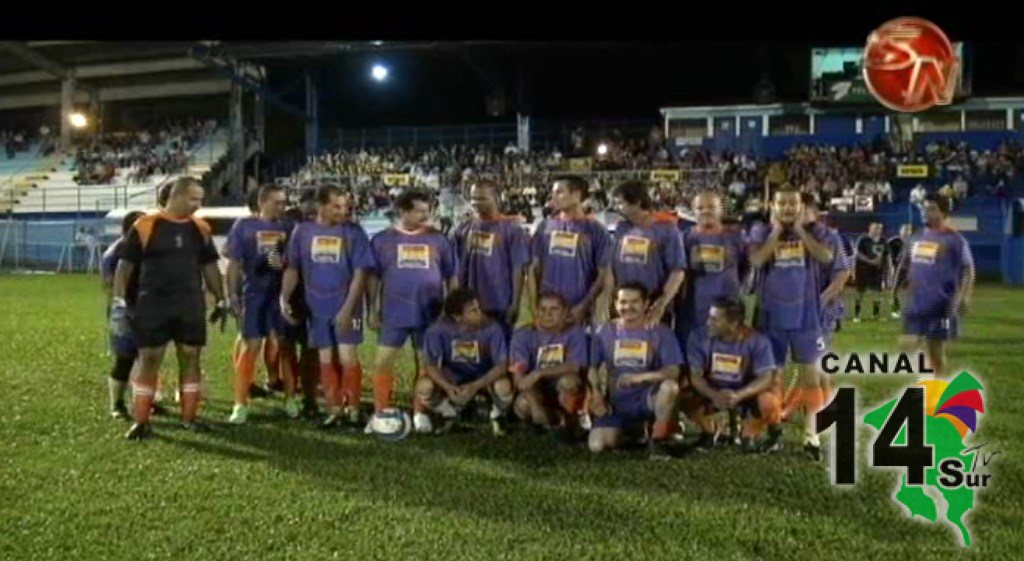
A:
[(422, 424), (120, 412), (705, 443), (275, 386), (895, 315), (333, 420), (773, 443), (447, 424), (239, 415), (157, 410), (368, 429), (856, 320), (658, 450), (748, 446), (258, 392), (586, 423), (813, 452), (139, 431), (310, 410), (292, 408), (498, 428), (353, 415), (194, 426)]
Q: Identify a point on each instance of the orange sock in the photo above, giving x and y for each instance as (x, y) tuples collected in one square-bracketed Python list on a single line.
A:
[(143, 401), (352, 384), (814, 399), (271, 359), (245, 371), (329, 384), (190, 394), (383, 386), (662, 430), (793, 400), (236, 350), (572, 402)]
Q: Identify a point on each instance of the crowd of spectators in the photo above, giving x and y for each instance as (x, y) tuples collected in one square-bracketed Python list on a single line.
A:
[(138, 155)]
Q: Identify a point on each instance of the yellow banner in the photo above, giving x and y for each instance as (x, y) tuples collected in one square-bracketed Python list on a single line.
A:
[(396, 179), (915, 171), (580, 164), (658, 175)]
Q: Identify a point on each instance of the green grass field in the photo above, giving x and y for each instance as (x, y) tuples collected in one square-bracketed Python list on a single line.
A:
[(72, 488)]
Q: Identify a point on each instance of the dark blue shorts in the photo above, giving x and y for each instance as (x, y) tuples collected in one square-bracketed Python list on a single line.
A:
[(396, 336), (261, 315), (937, 328), (324, 335), (124, 346), (807, 345), (629, 409)]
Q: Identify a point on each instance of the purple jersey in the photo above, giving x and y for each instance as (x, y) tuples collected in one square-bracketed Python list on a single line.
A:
[(327, 258), (788, 286), (535, 349), (935, 262), (730, 365), (465, 354), (633, 351), (413, 268), (250, 240), (717, 262), (571, 253), (491, 253), (841, 261), (647, 254)]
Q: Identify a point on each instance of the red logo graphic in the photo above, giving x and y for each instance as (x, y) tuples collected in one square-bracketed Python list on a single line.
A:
[(910, 65)]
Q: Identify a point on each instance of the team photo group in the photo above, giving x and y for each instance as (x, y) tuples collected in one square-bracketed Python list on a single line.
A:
[(567, 329)]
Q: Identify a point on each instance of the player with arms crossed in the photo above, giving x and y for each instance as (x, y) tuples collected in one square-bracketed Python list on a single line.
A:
[(936, 275), (332, 258), (414, 266), (872, 256), (466, 354), (790, 258), (648, 248), (173, 252), (493, 254), (732, 368), (254, 249), (896, 246), (546, 362), (122, 344), (634, 375), (571, 251)]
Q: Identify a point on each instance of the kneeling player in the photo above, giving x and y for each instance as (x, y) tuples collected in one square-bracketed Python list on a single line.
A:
[(465, 355), (732, 368), (546, 363), (634, 373)]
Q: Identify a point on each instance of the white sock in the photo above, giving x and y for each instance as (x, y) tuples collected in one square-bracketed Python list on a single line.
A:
[(116, 389), (812, 439)]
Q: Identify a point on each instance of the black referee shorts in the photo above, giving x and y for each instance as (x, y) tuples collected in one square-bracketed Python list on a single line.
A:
[(868, 278), (181, 319)]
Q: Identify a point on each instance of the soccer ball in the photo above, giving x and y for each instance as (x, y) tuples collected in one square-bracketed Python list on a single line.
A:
[(391, 425)]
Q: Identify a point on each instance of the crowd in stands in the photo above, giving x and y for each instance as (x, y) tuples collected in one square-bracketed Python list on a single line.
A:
[(137, 155)]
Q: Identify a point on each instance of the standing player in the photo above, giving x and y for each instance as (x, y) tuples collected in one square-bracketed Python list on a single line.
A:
[(255, 264), (648, 248), (634, 375), (493, 254), (466, 354), (732, 368), (832, 277), (896, 246), (717, 259), (414, 265), (173, 252), (122, 344), (872, 255), (936, 274), (571, 251), (546, 362), (333, 258), (790, 258)]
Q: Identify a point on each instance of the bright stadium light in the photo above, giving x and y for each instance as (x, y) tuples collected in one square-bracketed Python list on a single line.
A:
[(78, 120), (379, 72), (602, 149)]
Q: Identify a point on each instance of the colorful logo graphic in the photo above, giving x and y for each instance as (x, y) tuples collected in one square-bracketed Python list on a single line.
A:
[(924, 432), (910, 65)]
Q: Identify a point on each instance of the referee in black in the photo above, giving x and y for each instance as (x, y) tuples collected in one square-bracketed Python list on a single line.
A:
[(872, 258), (173, 253), (896, 246)]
